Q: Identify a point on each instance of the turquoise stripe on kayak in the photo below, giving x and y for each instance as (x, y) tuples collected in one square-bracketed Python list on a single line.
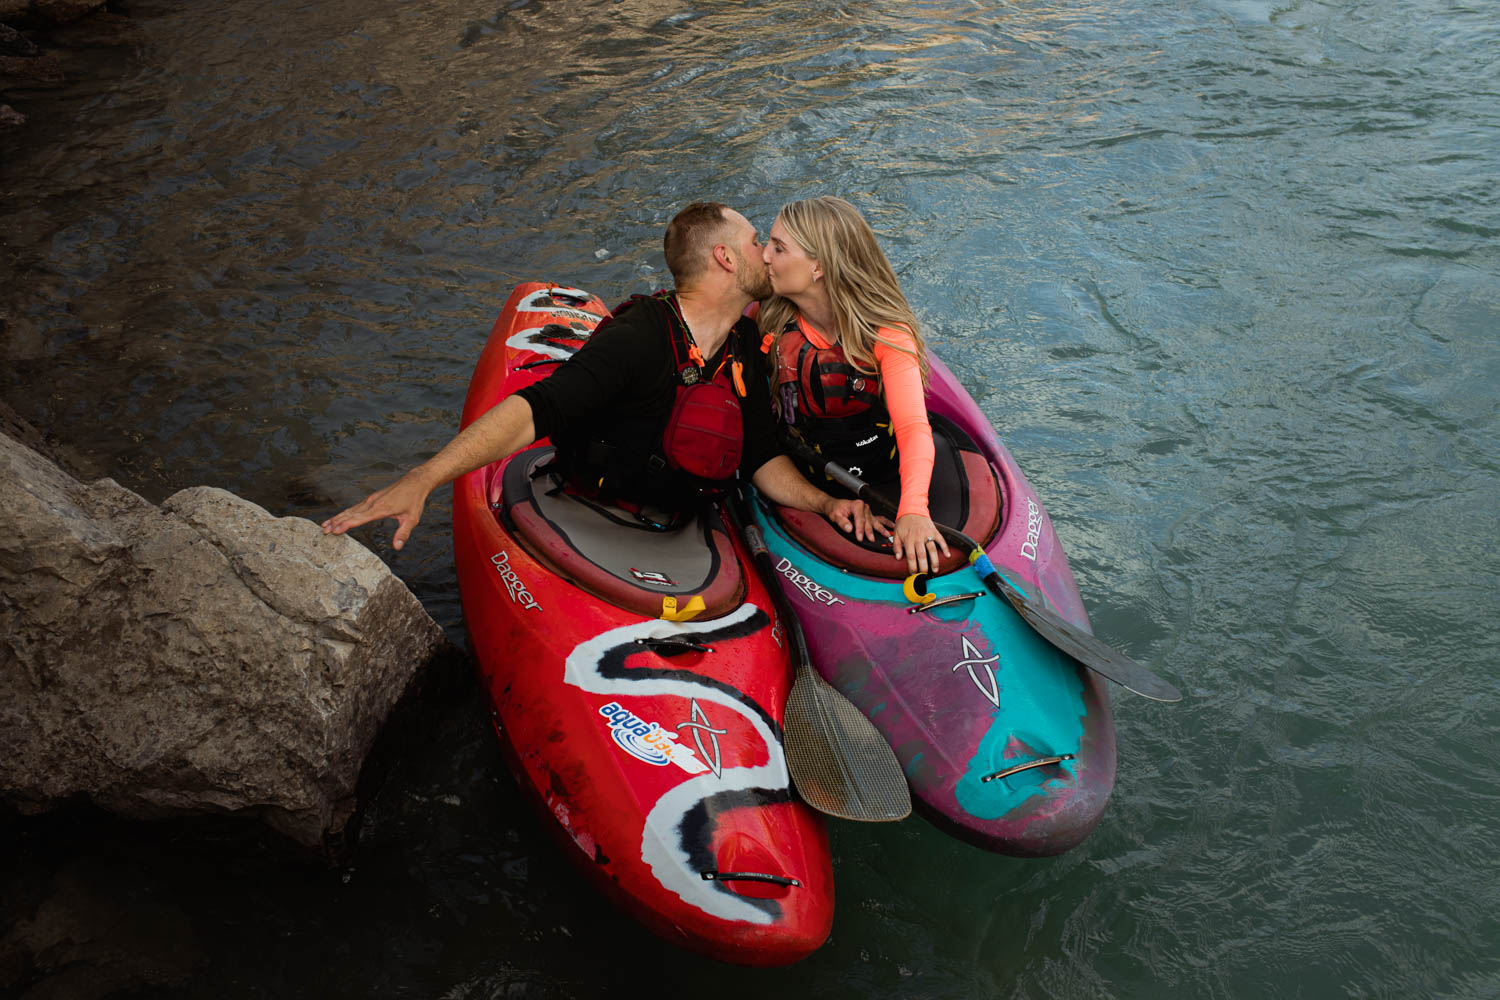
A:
[(849, 585), (1041, 705)]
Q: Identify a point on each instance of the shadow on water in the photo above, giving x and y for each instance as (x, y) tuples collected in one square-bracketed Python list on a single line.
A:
[(450, 868)]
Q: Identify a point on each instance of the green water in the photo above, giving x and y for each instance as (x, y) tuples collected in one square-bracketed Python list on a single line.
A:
[(1225, 277)]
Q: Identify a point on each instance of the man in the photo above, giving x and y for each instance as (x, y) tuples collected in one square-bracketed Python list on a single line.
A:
[(607, 408)]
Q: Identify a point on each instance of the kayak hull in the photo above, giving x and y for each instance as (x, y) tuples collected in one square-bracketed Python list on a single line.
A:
[(968, 692), (661, 773)]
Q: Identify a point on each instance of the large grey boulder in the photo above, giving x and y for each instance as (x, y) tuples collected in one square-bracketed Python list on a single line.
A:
[(198, 657)]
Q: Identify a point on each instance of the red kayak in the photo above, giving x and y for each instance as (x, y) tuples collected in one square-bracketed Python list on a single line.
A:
[(636, 680)]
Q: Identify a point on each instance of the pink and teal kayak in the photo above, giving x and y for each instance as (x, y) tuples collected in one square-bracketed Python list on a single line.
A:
[(1007, 742)]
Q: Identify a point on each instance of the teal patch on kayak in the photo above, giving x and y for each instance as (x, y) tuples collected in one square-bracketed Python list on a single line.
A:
[(1041, 715)]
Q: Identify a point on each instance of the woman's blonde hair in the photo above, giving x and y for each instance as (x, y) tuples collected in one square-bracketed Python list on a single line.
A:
[(862, 286)]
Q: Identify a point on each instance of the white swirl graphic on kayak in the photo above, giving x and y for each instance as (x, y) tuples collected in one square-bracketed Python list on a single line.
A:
[(550, 341), (663, 845), (554, 302)]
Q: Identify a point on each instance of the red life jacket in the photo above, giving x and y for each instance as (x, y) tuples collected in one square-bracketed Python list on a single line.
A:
[(826, 385), (833, 406), (705, 434)]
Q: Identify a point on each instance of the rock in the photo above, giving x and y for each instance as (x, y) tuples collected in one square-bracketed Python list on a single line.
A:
[(94, 929), (201, 657), (13, 424), (100, 30), (31, 71), (13, 10), (63, 11), (13, 43), (10, 117)]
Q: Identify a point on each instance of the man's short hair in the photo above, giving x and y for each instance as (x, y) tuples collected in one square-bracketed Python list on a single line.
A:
[(691, 234)]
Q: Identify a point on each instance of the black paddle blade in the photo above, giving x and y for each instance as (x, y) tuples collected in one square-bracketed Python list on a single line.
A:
[(838, 760), (1087, 649)]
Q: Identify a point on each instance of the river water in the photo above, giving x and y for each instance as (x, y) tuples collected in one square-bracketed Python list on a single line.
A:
[(1224, 275)]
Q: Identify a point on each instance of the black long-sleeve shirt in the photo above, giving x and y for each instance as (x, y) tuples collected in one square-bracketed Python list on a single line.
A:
[(620, 386)]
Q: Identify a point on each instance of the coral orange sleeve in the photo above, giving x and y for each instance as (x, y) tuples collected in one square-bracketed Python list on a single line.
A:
[(905, 398)]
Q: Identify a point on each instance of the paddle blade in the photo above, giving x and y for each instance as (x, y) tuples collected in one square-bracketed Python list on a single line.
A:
[(838, 760), (1091, 652)]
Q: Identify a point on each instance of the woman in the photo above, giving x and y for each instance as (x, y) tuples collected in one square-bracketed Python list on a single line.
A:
[(850, 365)]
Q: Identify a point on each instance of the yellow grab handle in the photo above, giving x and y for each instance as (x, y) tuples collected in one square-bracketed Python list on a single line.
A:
[(916, 589), (689, 611)]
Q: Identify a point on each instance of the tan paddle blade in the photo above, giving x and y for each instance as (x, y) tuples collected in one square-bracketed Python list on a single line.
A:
[(838, 760)]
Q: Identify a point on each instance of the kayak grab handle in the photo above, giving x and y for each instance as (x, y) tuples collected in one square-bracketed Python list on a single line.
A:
[(1039, 762), (713, 875), (567, 298), (673, 645), (942, 601)]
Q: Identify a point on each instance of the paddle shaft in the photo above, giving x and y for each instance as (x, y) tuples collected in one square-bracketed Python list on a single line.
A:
[(793, 628)]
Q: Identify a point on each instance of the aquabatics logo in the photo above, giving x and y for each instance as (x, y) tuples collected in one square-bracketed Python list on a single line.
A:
[(648, 741)]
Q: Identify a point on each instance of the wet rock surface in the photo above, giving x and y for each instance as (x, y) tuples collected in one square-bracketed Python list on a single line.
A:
[(91, 929)]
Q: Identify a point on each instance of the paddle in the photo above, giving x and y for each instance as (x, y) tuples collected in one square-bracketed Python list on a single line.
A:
[(838, 760), (1082, 646)]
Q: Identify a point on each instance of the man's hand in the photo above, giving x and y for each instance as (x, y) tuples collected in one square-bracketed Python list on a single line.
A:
[(852, 517), (403, 500), (504, 428)]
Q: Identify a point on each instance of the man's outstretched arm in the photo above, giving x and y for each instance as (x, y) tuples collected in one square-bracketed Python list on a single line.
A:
[(504, 428)]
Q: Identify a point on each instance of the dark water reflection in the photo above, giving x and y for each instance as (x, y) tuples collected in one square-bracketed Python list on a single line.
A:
[(1223, 275)]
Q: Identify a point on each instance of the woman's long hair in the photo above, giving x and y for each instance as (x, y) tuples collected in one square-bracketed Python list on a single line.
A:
[(862, 286)]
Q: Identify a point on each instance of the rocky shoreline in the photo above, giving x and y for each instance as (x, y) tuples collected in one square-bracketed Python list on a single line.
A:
[(198, 672)]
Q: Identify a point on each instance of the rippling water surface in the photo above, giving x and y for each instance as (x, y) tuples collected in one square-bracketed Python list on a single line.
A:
[(1224, 275)]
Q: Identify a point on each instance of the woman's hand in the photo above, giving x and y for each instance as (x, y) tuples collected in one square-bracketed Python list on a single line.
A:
[(918, 540)]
